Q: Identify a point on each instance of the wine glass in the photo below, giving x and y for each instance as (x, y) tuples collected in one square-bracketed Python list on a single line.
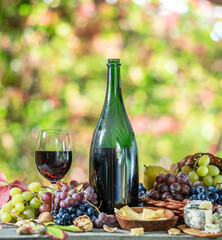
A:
[(53, 156)]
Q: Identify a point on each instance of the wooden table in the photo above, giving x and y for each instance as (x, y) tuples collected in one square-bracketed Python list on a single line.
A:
[(99, 234)]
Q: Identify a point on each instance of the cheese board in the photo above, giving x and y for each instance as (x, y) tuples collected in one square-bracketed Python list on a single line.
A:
[(197, 232)]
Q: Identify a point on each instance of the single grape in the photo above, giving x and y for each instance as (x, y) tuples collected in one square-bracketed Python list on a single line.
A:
[(185, 189), (208, 180), (69, 201), (14, 191), (212, 188), (89, 190), (193, 176), (202, 171), (178, 197), (165, 196), (182, 178), (111, 218), (160, 178), (76, 196), (81, 194), (156, 185), (7, 206), (154, 195), (57, 193), (85, 185), (29, 214), (169, 178), (63, 204), (6, 217), (204, 160), (63, 195), (102, 217), (217, 179), (213, 170), (65, 188), (189, 183), (71, 192), (44, 208), (19, 207), (34, 187), (88, 196), (198, 183), (57, 200), (17, 199), (27, 195), (186, 169), (175, 188), (47, 197), (163, 188), (97, 223), (73, 184), (28, 207), (35, 203), (14, 213)]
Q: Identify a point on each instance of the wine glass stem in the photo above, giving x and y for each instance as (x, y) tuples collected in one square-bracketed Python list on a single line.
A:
[(53, 210)]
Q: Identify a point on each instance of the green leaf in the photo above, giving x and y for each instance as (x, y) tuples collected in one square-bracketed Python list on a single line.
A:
[(37, 228), (49, 223), (70, 228), (55, 233)]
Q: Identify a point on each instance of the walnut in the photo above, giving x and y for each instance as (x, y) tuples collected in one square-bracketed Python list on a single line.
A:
[(83, 222), (23, 230), (45, 217), (109, 229), (174, 231)]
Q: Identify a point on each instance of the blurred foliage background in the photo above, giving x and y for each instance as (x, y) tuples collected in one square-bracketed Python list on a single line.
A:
[(53, 75)]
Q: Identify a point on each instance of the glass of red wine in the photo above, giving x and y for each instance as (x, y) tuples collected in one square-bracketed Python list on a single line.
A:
[(53, 156)]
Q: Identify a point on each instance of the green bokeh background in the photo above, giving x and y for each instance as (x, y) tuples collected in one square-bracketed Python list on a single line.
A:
[(53, 75)]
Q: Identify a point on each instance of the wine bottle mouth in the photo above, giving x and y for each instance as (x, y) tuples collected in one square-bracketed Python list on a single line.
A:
[(113, 61)]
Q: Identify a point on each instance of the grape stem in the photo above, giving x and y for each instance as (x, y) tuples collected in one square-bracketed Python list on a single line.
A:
[(97, 209)]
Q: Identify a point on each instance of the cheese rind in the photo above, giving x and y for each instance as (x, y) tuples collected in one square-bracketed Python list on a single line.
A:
[(211, 228), (197, 218), (137, 231)]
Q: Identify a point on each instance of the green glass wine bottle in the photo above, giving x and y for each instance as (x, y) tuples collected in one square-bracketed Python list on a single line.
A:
[(113, 169)]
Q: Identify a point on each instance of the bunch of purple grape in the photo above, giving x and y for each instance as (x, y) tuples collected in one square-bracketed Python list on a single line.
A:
[(71, 196), (71, 202), (170, 186)]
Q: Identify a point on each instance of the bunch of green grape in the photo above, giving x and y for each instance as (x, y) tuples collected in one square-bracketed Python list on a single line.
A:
[(204, 171), (23, 204)]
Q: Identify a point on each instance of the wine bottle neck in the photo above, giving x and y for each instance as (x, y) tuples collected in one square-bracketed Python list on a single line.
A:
[(113, 91)]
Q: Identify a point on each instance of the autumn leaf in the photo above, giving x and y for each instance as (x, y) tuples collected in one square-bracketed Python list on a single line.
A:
[(20, 184), (2, 178), (4, 194)]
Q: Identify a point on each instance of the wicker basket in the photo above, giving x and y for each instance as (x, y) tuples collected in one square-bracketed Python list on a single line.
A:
[(176, 206)]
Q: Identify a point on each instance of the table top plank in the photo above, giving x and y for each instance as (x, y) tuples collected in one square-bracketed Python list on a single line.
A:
[(99, 234)]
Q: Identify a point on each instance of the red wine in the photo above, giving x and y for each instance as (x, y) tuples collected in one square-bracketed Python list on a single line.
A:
[(115, 177), (53, 165)]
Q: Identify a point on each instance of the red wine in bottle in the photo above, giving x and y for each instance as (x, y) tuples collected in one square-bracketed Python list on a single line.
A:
[(113, 154)]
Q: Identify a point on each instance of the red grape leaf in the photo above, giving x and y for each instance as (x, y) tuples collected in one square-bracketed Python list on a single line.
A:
[(55, 233), (4, 194), (2, 178), (20, 184)]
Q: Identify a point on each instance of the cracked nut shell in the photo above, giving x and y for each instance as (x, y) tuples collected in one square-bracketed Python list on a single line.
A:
[(45, 217), (83, 222)]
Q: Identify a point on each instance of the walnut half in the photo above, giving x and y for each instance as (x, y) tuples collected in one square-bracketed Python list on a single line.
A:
[(83, 222)]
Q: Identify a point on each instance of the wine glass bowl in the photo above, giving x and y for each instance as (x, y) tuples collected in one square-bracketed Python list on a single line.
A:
[(53, 155)]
